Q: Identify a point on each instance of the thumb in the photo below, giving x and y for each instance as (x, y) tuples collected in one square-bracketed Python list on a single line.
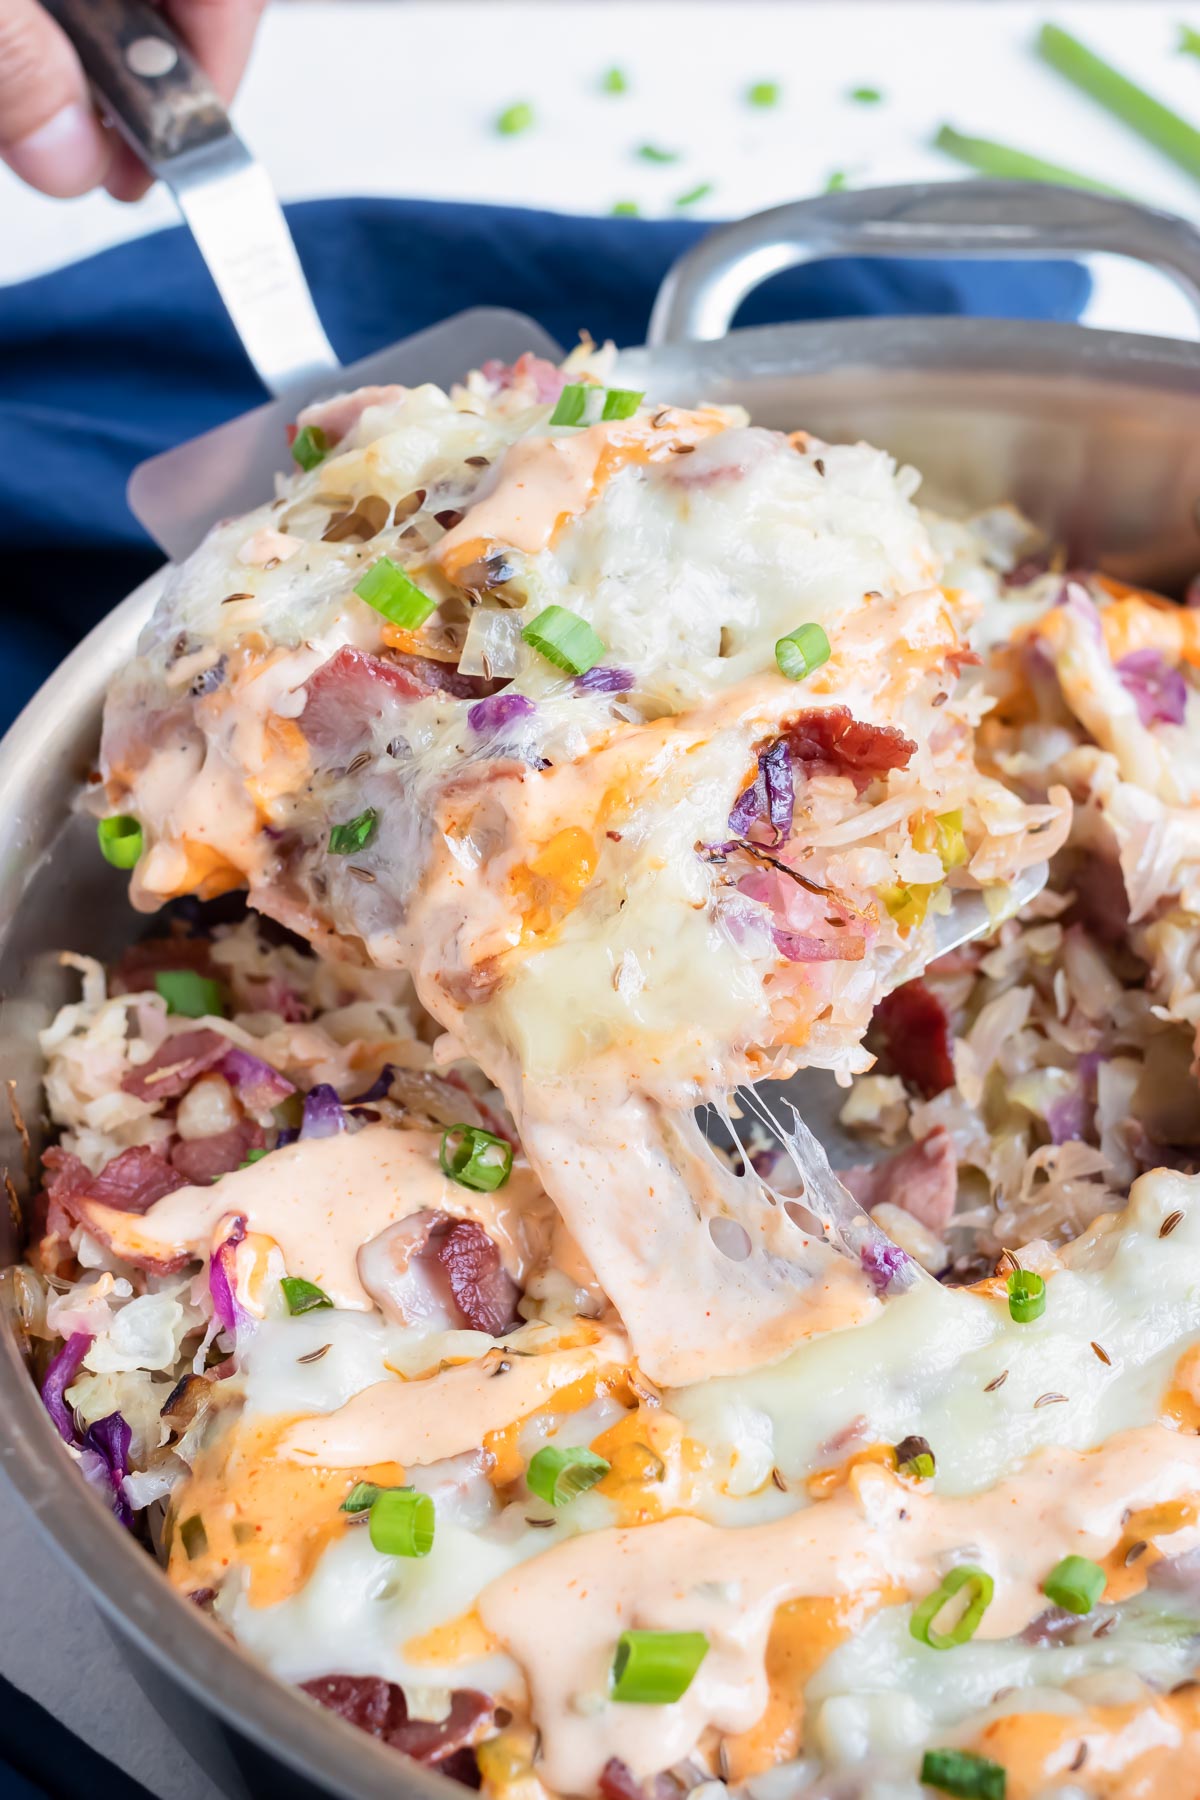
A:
[(49, 134)]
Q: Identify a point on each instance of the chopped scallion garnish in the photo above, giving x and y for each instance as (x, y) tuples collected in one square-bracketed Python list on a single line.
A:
[(694, 195), (557, 1476), (866, 96), (1123, 98), (565, 640), (387, 588), (310, 447), (656, 154), (655, 1668), (120, 840), (1075, 1583), (1189, 41), (624, 209), (1006, 163), (763, 93), (585, 404), (960, 1772), (475, 1158), (980, 1588), (303, 1296), (402, 1522), (252, 1156), (189, 995), (361, 1498), (614, 81), (915, 1459), (1026, 1296), (802, 651), (515, 118), (354, 835), (620, 403)]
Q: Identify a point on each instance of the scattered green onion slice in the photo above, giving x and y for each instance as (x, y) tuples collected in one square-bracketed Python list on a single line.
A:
[(354, 835), (614, 81), (694, 195), (1189, 41), (981, 1586), (189, 995), (865, 96), (252, 1156), (624, 209), (1123, 98), (387, 588), (361, 1498), (837, 181), (916, 1459), (120, 840), (572, 405), (557, 1476), (763, 93), (1075, 1583), (802, 651), (518, 117), (475, 1158), (1007, 163), (585, 404), (565, 640), (302, 1296), (960, 1773), (621, 403), (655, 1668), (656, 154), (1026, 1296), (402, 1522), (310, 447)]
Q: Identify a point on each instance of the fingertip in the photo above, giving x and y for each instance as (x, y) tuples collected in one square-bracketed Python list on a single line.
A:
[(66, 156)]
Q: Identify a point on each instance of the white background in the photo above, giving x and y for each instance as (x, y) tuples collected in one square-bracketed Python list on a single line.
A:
[(371, 97)]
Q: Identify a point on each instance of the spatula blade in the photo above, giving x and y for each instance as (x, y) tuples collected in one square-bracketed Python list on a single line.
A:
[(181, 494)]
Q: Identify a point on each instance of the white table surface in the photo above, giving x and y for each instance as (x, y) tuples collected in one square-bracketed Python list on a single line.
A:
[(376, 97), (379, 97)]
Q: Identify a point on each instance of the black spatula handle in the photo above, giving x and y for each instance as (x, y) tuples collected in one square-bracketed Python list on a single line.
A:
[(158, 97)]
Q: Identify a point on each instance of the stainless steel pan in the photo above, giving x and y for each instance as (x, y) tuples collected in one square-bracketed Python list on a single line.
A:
[(1096, 434)]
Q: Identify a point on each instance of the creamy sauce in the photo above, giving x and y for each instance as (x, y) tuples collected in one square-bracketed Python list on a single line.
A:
[(551, 885), (321, 1201), (561, 1615), (1137, 1752), (544, 481), (691, 1309), (446, 1414)]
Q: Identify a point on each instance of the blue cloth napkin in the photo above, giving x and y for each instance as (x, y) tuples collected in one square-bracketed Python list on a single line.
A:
[(129, 352), (41, 1760)]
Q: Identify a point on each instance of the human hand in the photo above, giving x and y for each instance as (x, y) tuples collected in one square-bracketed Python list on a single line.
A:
[(50, 133)]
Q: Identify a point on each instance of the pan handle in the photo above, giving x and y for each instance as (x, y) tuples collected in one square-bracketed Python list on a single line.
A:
[(172, 118), (997, 219)]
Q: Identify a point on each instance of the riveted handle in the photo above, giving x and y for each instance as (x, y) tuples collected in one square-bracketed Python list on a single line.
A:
[(174, 121), (159, 98)]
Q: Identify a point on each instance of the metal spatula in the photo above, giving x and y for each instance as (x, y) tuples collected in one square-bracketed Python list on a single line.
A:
[(166, 109), (174, 121)]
